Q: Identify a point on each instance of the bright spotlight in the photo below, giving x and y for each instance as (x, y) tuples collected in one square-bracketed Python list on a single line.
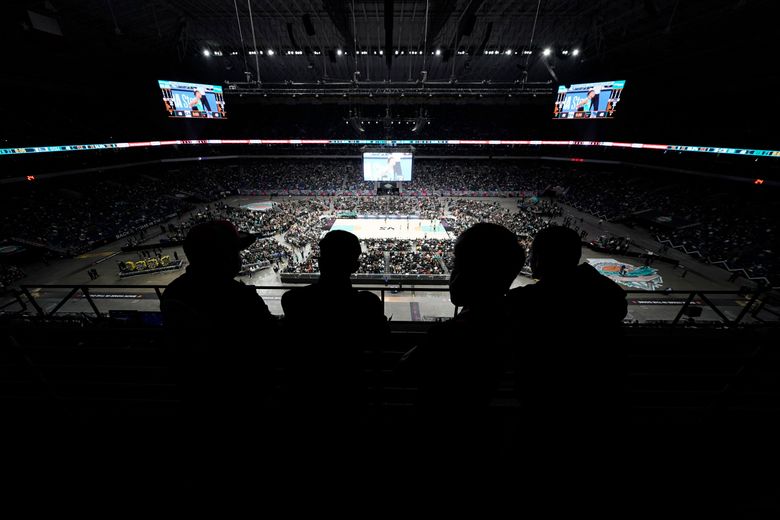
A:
[(575, 52), (438, 52), (206, 53), (547, 51), (508, 52), (270, 52), (339, 52)]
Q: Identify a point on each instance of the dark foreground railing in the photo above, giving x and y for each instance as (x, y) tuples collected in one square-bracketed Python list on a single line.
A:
[(759, 305)]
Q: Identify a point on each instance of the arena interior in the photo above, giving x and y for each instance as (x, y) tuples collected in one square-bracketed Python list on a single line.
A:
[(401, 124)]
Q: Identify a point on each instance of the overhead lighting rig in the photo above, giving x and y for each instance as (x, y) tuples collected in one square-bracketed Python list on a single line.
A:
[(410, 91)]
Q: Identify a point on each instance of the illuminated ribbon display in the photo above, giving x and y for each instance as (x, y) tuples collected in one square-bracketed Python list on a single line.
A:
[(384, 142)]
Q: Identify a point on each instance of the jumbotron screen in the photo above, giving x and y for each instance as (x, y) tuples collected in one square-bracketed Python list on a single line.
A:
[(194, 100), (588, 100), (387, 166)]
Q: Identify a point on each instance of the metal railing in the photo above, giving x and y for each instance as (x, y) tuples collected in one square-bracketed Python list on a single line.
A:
[(753, 303)]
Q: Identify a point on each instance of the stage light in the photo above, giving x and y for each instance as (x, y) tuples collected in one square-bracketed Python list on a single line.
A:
[(438, 52), (508, 52), (527, 53), (547, 51), (396, 52), (757, 181), (339, 52), (381, 52), (206, 53), (270, 52), (564, 52), (32, 178), (575, 52)]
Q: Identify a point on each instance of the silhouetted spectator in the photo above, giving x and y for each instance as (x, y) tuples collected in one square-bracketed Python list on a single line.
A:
[(331, 325), (459, 365), (206, 295), (221, 329), (573, 370)]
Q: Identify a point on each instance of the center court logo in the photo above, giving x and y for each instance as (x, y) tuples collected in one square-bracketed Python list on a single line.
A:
[(627, 275)]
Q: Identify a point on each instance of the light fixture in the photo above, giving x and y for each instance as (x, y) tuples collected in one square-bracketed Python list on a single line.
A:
[(575, 52), (508, 52), (547, 51), (206, 53), (270, 52), (438, 52), (339, 52)]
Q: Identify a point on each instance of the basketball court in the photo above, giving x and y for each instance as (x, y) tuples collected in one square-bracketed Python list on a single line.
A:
[(400, 228)]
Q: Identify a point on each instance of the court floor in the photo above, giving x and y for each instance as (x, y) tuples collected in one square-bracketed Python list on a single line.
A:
[(398, 228)]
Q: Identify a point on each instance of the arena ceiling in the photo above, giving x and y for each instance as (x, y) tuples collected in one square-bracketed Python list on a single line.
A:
[(383, 40)]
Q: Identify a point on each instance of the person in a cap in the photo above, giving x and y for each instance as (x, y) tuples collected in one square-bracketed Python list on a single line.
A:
[(221, 330), (207, 294)]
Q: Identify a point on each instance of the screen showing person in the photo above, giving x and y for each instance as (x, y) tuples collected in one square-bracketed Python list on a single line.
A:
[(588, 100), (193, 100), (386, 166)]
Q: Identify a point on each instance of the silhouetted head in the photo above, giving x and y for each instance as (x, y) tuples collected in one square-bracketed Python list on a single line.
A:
[(487, 260), (339, 253), (212, 248), (556, 250)]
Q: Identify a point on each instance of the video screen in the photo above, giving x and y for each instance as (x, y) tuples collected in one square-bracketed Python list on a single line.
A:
[(387, 166), (588, 100), (192, 100)]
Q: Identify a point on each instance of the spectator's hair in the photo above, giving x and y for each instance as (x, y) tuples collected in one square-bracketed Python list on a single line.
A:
[(488, 257), (555, 249), (339, 253)]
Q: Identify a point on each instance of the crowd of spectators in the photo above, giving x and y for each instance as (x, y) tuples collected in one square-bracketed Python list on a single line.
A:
[(9, 274), (76, 218), (264, 251), (525, 222), (422, 207), (74, 214), (718, 221)]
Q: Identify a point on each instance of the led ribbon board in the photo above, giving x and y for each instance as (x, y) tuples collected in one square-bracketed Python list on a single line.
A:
[(382, 142)]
